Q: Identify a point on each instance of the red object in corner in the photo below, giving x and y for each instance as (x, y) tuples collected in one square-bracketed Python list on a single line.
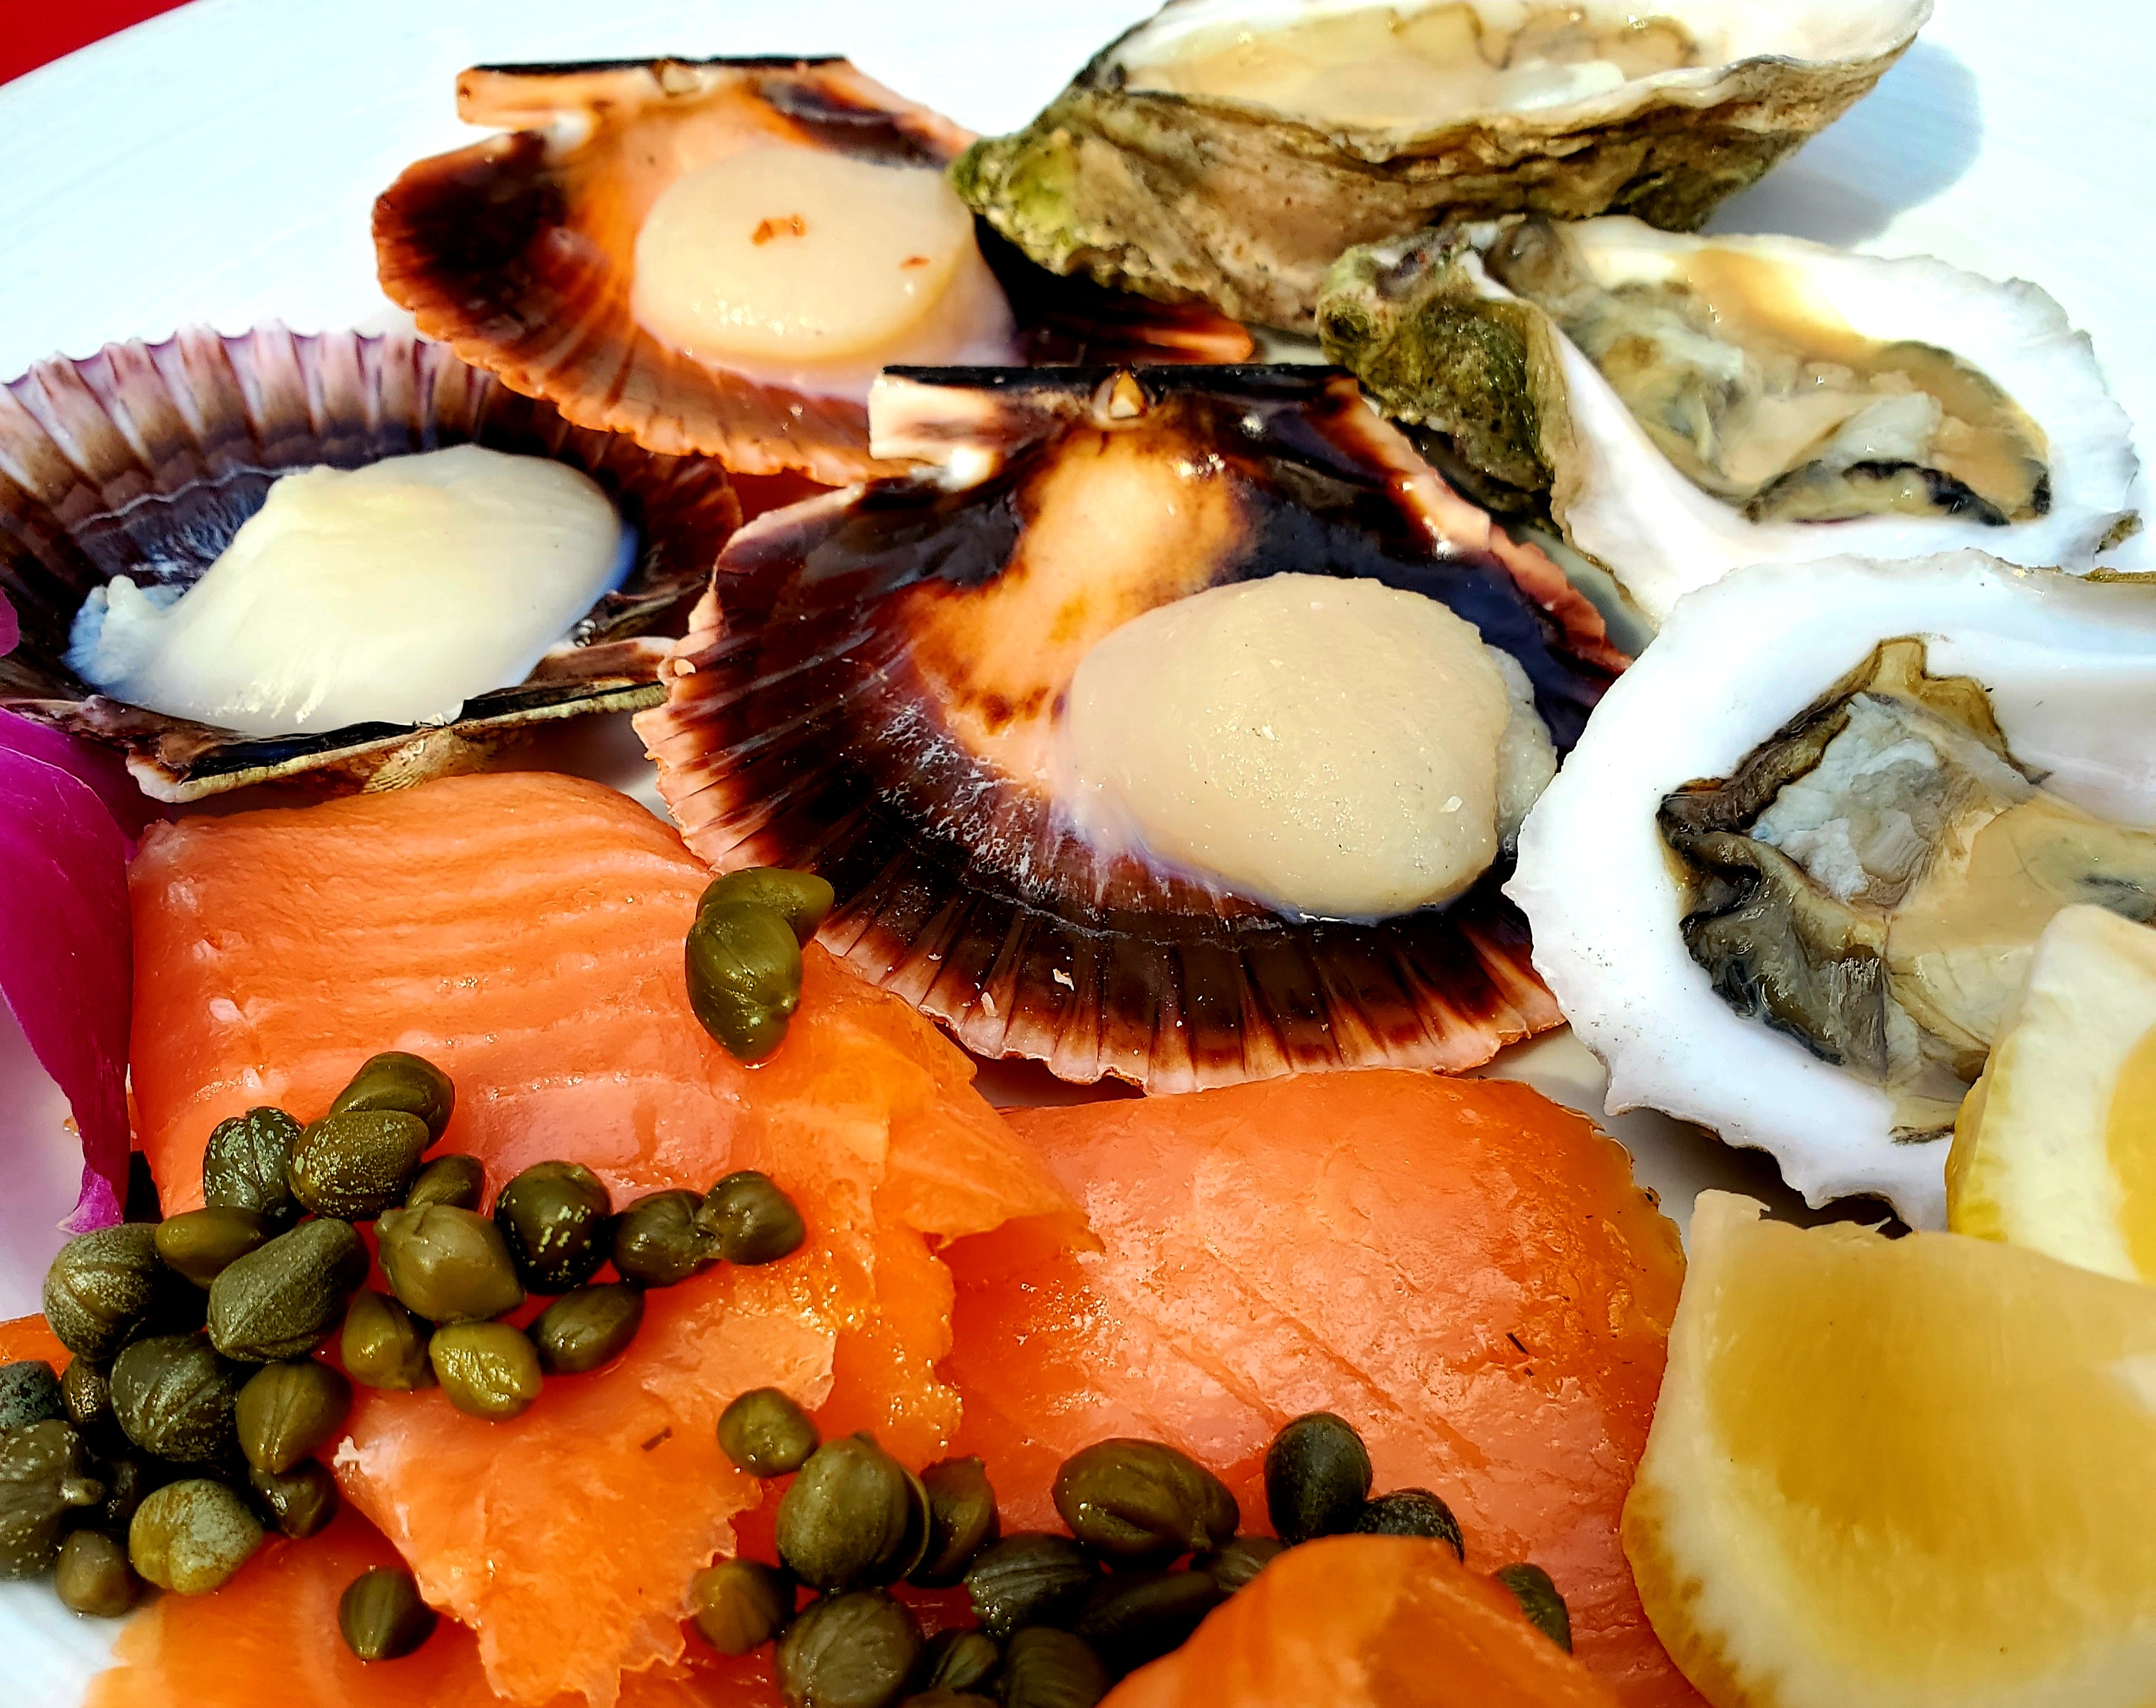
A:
[(32, 32)]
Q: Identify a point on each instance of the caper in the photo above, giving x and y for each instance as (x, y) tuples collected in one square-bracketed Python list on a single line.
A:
[(1241, 1560), (1142, 1499), (854, 1516), (586, 1327), (1130, 1617), (243, 1167), (1539, 1600), (200, 1244), (176, 1397), (801, 899), (283, 1300), (855, 1650), (554, 1216), (358, 1164), (959, 1660), (384, 1344), (92, 1576), (381, 1614), (44, 1481), (741, 1604), (1050, 1668), (190, 1536), (459, 1182), (86, 1391), (750, 1220), (656, 1241), (1411, 1512), (486, 1368), (29, 1393), (743, 966), (765, 1433), (286, 1411), (449, 1266), (408, 1084), (1035, 1577), (1318, 1475), (128, 1480), (301, 1502), (943, 1696), (103, 1287), (961, 1521)]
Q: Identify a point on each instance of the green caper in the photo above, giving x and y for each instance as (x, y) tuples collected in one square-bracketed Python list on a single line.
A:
[(1142, 1499), (1318, 1475), (854, 1516), (459, 1182), (44, 1482), (1539, 1600), (750, 1220), (381, 1614), (29, 1393), (1035, 1577), (243, 1167), (1411, 1512), (656, 1241), (176, 1397), (743, 965), (855, 1650), (358, 1164), (801, 899), (301, 1502), (765, 1433), (1241, 1560), (408, 1084), (92, 1576), (384, 1344), (86, 1391), (283, 1300), (286, 1411), (1050, 1668), (959, 1660), (586, 1327), (741, 1604), (943, 1696), (1130, 1617), (200, 1244), (486, 1368), (190, 1536), (449, 1266), (103, 1287), (555, 1217), (127, 1479), (961, 1521)]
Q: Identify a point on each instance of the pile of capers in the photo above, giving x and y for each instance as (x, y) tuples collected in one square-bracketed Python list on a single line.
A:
[(742, 958), (1152, 1546)]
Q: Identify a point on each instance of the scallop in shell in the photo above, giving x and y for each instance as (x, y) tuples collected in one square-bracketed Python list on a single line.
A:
[(144, 461), (526, 253), (877, 682), (1793, 872)]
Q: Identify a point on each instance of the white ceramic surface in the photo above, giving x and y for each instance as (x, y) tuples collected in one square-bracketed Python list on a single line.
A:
[(218, 164)]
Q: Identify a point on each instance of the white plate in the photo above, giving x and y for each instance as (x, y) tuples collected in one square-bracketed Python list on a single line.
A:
[(218, 164)]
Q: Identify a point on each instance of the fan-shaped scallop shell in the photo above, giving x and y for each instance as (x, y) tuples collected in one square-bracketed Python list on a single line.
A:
[(817, 713)]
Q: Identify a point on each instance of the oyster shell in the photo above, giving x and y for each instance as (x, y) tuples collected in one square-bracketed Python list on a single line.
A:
[(144, 460), (1244, 202), (1744, 399), (1799, 857), (519, 251), (873, 685)]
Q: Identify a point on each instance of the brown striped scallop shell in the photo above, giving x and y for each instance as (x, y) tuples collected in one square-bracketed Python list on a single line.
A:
[(519, 251), (867, 688), (145, 458)]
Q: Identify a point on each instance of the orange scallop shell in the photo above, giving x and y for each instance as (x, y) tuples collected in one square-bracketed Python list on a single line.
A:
[(518, 252)]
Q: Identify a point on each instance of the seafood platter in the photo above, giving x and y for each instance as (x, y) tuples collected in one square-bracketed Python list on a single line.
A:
[(784, 945)]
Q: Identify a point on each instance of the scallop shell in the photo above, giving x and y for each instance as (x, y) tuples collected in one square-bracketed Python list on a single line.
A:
[(518, 251), (817, 713), (144, 460)]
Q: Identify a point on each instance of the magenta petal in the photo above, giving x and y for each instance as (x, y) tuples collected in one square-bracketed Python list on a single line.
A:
[(99, 767)]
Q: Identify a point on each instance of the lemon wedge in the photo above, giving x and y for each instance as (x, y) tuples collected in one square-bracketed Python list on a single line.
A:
[(2056, 1146), (1893, 1474)]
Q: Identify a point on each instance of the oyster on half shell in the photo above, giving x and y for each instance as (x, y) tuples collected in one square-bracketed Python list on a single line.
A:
[(1790, 882), (1686, 405), (1228, 150)]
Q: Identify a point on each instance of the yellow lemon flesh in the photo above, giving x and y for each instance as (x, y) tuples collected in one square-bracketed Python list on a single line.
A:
[(1892, 1473), (2055, 1147)]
